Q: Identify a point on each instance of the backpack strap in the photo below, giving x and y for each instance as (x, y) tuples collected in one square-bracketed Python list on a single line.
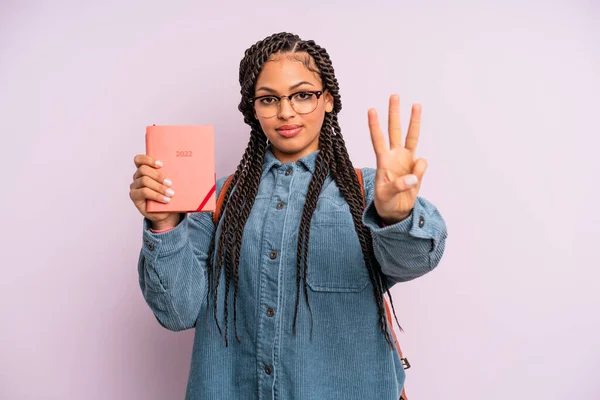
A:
[(221, 198), (388, 314), (362, 184)]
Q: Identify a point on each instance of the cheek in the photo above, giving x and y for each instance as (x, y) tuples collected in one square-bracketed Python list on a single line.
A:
[(266, 124), (315, 119), (268, 127)]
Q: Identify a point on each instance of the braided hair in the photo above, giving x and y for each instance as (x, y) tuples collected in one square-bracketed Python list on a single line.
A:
[(333, 157)]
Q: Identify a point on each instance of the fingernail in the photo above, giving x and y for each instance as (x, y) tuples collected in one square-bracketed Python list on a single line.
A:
[(167, 182), (158, 163), (411, 180), (167, 199), (170, 192)]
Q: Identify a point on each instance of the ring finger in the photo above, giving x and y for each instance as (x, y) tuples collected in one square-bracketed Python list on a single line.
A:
[(146, 181)]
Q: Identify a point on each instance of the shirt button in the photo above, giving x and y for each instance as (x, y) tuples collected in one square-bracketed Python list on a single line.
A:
[(288, 172), (280, 205), (273, 255), (270, 312), (268, 369), (421, 221), (150, 245)]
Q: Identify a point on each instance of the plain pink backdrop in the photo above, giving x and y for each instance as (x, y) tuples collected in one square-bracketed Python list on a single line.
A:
[(510, 98)]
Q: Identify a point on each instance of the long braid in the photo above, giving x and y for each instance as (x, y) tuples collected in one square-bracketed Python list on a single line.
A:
[(238, 207), (333, 157), (248, 195), (348, 184), (343, 158), (214, 283)]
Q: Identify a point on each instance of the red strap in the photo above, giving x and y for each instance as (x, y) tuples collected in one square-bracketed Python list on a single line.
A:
[(206, 198)]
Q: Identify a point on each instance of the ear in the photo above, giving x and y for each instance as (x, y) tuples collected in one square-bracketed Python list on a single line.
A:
[(328, 102)]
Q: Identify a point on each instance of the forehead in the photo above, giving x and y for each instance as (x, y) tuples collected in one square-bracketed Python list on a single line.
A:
[(282, 71)]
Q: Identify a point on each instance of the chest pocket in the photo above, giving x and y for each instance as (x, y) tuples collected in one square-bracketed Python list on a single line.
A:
[(335, 258)]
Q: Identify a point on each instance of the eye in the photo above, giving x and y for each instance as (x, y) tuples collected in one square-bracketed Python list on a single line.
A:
[(267, 100), (303, 96)]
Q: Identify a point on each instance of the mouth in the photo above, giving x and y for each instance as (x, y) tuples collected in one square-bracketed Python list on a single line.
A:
[(289, 131)]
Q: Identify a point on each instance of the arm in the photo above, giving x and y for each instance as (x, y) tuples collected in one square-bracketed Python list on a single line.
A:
[(410, 248), (172, 269)]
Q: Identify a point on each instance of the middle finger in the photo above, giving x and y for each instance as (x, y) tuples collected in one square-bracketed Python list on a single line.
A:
[(394, 128), (145, 170), (146, 181)]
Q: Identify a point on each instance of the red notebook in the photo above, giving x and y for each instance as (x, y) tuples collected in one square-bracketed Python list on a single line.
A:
[(187, 153)]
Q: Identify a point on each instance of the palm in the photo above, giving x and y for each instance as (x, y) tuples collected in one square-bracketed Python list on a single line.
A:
[(394, 199)]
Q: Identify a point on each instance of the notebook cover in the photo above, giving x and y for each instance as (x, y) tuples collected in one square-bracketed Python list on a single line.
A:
[(187, 153)]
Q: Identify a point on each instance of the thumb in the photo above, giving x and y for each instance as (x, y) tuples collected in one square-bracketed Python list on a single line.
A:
[(402, 184)]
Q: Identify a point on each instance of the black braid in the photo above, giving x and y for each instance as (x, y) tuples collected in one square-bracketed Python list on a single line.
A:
[(348, 190), (333, 157), (251, 160), (343, 158)]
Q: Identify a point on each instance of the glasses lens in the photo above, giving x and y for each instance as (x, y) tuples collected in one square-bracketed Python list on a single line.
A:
[(266, 106), (302, 103)]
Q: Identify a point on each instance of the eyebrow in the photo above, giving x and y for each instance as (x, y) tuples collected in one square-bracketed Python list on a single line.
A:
[(297, 85)]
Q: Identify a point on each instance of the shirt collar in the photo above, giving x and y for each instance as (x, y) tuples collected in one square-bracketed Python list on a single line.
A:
[(271, 161)]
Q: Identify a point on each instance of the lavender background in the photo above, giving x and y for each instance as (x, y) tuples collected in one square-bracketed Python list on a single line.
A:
[(510, 130)]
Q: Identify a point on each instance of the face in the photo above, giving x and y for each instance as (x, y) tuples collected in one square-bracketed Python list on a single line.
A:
[(292, 135)]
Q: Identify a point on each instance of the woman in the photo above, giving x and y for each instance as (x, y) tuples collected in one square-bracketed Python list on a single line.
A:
[(307, 263)]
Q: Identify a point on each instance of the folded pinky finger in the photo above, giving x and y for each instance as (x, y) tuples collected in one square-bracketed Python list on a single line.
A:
[(405, 183)]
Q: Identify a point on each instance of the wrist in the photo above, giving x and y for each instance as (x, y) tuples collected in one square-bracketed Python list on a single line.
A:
[(391, 220), (166, 224)]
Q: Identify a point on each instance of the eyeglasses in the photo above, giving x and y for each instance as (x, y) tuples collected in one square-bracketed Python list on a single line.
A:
[(302, 102)]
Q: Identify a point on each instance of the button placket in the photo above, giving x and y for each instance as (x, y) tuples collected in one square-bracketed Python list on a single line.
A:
[(274, 238)]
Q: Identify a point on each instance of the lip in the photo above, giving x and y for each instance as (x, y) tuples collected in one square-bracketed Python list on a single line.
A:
[(289, 131)]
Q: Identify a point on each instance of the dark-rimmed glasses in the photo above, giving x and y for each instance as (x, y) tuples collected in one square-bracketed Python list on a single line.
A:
[(303, 102)]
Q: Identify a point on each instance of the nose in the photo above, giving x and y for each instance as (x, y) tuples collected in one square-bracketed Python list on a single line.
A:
[(285, 110)]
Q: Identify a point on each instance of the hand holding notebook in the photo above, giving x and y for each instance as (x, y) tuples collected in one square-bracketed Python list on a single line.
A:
[(176, 175)]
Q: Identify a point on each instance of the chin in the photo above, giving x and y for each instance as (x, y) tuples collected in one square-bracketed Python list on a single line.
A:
[(289, 148)]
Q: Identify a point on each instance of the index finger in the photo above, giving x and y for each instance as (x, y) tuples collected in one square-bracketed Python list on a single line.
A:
[(144, 159), (376, 135)]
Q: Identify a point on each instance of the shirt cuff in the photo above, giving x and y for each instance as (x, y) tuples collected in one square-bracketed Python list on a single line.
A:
[(415, 225), (161, 230), (159, 244)]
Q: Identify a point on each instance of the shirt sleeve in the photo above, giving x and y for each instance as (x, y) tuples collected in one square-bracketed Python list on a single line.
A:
[(172, 268), (410, 248)]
